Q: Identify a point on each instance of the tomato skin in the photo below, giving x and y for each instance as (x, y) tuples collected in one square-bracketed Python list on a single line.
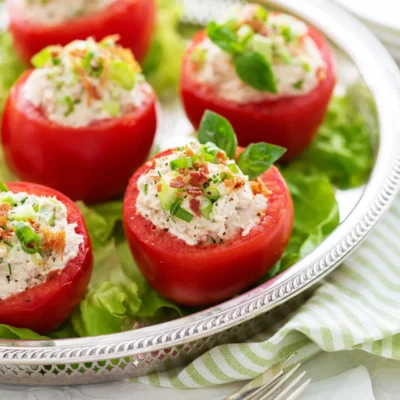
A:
[(133, 20), (205, 275), (290, 122), (92, 163), (44, 307)]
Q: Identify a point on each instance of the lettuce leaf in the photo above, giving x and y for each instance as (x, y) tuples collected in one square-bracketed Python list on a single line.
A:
[(11, 67), (316, 216), (163, 62), (118, 297), (342, 151)]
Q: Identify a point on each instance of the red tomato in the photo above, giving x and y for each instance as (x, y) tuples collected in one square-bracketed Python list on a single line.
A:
[(44, 307), (133, 20), (91, 163), (205, 275), (291, 122)]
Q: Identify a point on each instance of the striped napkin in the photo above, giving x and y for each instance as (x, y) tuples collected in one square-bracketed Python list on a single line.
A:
[(357, 308)]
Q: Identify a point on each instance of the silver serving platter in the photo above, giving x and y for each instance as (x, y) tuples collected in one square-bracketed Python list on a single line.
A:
[(362, 61)]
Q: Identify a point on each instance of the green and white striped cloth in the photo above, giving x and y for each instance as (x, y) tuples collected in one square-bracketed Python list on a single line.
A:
[(357, 308)]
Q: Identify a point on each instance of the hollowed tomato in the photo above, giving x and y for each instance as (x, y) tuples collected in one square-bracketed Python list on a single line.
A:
[(133, 20), (290, 122), (204, 275), (44, 307), (91, 163)]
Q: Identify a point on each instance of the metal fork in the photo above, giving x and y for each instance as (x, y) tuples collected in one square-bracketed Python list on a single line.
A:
[(274, 384)]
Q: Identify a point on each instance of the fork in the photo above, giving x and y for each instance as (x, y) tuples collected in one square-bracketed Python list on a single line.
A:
[(272, 385)]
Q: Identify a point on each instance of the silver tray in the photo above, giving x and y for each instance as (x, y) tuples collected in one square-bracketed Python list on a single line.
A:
[(362, 59)]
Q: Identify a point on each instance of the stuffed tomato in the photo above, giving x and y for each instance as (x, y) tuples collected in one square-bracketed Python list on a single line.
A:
[(45, 257), (270, 75), (36, 24), (82, 122), (203, 227)]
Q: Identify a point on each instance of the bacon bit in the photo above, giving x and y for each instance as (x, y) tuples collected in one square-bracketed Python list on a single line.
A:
[(183, 171), (195, 192), (258, 187), (205, 169), (3, 220), (151, 164), (112, 38), (195, 206), (53, 241), (156, 178), (159, 187), (229, 184), (35, 225), (258, 26), (177, 183), (5, 234), (198, 178), (220, 155), (234, 183), (188, 151), (90, 89), (4, 208), (321, 74)]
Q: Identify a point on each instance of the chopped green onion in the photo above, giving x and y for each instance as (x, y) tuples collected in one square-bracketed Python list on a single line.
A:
[(56, 61), (299, 85), (24, 200), (287, 33), (70, 106), (261, 14), (123, 74), (7, 244), (96, 70), (52, 219), (4, 187), (245, 33), (181, 163), (10, 201), (36, 207), (30, 240), (233, 167), (263, 45), (112, 107), (146, 189), (42, 58), (181, 213), (9, 269), (306, 67), (212, 193), (206, 208), (224, 176), (168, 195), (199, 55), (284, 57)]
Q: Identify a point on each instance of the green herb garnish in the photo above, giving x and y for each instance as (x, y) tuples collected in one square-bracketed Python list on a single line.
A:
[(9, 269), (30, 240), (4, 187), (258, 157), (218, 130)]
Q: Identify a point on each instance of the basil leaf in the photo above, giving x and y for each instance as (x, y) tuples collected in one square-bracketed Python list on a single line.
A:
[(216, 129), (254, 70), (224, 37), (258, 157)]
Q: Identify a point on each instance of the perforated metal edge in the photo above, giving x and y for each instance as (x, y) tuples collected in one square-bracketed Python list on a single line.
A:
[(383, 78)]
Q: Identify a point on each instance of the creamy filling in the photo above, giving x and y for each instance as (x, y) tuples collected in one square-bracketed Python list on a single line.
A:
[(21, 267), (53, 12), (296, 63), (234, 209), (76, 92)]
